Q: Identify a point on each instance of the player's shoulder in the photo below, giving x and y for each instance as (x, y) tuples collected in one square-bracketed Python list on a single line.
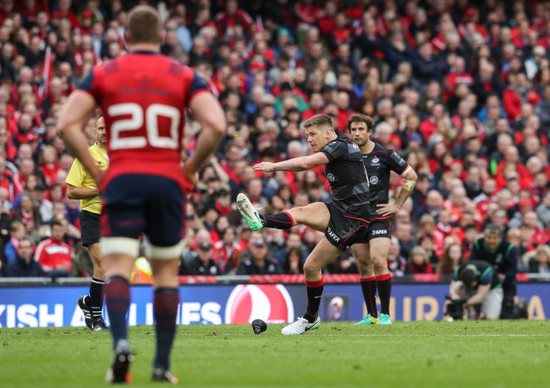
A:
[(344, 138), (391, 156), (342, 143), (382, 150)]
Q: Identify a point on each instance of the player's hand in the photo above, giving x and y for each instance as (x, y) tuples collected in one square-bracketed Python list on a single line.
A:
[(387, 209), (191, 177), (265, 167)]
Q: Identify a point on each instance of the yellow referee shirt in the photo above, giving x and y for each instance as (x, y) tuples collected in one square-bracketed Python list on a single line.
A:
[(78, 176)]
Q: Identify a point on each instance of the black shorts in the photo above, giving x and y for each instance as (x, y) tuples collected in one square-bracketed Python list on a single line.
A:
[(344, 230), (137, 203), (379, 227), (89, 228)]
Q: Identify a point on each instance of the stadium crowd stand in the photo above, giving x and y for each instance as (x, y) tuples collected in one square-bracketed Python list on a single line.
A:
[(461, 89)]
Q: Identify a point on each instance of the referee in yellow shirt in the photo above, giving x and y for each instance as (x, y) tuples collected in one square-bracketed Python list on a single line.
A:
[(81, 185)]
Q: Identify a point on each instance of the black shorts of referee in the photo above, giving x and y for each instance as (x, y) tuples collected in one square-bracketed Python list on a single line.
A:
[(89, 228)]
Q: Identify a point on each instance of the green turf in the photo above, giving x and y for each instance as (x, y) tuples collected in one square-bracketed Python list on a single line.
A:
[(412, 354)]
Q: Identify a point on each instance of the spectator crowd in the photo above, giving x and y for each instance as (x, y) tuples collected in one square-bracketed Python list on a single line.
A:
[(460, 89)]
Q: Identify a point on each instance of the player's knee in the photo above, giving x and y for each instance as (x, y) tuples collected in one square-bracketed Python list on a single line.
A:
[(297, 214), (364, 262), (311, 269), (380, 267), (379, 262)]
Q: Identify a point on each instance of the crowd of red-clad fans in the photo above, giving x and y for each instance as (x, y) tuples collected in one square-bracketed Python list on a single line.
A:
[(461, 89)]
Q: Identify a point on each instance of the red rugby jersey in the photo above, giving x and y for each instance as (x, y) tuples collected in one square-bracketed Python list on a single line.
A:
[(144, 98)]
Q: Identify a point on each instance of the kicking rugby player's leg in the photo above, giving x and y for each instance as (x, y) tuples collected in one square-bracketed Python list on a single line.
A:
[(315, 215), (368, 280), (379, 248), (324, 253)]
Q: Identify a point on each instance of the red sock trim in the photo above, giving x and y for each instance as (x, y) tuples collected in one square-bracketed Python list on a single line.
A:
[(368, 279), (289, 216), (316, 283), (383, 277)]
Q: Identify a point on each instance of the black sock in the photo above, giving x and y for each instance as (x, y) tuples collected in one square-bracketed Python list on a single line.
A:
[(96, 298), (314, 292), (383, 282), (117, 299), (278, 221), (165, 309), (368, 286)]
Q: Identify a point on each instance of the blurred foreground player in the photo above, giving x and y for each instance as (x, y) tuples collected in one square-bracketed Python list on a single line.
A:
[(144, 96), (373, 257), (344, 220), (81, 185)]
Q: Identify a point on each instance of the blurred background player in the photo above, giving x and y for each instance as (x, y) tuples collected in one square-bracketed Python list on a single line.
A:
[(81, 185), (379, 162), (503, 257), (143, 95), (475, 285), (344, 220)]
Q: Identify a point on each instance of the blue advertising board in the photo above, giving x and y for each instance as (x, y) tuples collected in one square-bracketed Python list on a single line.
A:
[(226, 304)]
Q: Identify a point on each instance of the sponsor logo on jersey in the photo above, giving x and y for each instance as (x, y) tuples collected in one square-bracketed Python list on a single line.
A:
[(373, 180), (331, 178), (270, 302)]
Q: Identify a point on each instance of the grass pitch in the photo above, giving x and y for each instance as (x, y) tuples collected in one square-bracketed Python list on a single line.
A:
[(407, 354)]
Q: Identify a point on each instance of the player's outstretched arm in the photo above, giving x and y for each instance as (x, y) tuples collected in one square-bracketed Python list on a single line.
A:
[(297, 164), (73, 116), (207, 111)]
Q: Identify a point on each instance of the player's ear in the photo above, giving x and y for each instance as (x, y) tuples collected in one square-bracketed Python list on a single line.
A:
[(127, 37), (162, 36)]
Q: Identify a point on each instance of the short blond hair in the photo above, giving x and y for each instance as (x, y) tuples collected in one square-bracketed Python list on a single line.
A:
[(320, 120)]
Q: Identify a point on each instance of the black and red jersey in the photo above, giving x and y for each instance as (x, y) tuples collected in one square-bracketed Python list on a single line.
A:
[(347, 177), (379, 163)]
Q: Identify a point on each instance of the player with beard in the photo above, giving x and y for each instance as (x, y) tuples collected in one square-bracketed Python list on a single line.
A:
[(81, 185), (379, 162)]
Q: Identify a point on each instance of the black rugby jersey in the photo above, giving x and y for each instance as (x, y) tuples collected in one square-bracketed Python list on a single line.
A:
[(379, 163), (347, 177)]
